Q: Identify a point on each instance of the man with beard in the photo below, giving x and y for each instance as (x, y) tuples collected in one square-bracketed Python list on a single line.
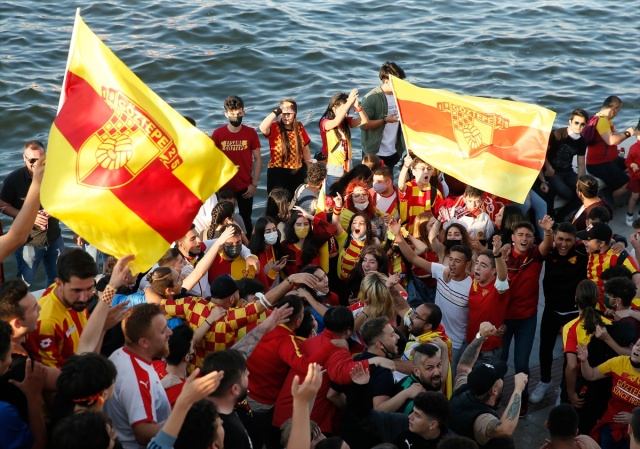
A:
[(139, 404), (426, 370), (477, 395), (232, 390), (193, 250), (241, 144), (64, 309), (611, 429)]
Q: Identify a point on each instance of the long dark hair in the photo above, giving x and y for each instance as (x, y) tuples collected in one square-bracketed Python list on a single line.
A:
[(257, 244), (587, 295), (278, 205), (360, 171), (369, 238), (337, 100), (310, 248)]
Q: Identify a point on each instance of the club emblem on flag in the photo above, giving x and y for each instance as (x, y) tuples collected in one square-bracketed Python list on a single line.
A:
[(473, 130), (107, 158)]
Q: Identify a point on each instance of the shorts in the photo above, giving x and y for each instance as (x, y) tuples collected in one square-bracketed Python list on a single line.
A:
[(634, 185), (612, 173)]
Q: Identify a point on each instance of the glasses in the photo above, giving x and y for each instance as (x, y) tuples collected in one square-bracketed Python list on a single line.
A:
[(580, 124), (31, 161), (423, 169), (414, 314)]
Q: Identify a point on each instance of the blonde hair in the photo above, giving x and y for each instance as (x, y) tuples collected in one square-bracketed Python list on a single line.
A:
[(421, 228), (376, 295)]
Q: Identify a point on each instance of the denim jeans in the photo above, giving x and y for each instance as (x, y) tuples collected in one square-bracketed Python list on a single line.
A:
[(419, 293), (28, 260), (523, 332)]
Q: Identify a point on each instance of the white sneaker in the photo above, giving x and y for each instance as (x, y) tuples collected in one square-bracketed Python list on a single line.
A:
[(629, 219), (538, 393)]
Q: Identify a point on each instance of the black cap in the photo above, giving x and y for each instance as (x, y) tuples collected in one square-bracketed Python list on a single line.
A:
[(223, 287), (599, 231), (484, 376)]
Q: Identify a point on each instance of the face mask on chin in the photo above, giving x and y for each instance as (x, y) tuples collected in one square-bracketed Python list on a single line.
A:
[(574, 136), (361, 238), (361, 206)]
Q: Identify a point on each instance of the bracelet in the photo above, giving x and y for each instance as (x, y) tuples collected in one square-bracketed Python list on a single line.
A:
[(263, 300), (108, 294), (254, 185), (384, 120), (337, 209), (627, 133), (289, 281), (358, 109), (365, 315), (277, 111), (544, 182), (497, 256), (208, 323), (547, 235)]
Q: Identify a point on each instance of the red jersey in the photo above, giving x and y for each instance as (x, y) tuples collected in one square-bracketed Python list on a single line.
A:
[(239, 148), (486, 304), (338, 365), (270, 361), (415, 201), (524, 283)]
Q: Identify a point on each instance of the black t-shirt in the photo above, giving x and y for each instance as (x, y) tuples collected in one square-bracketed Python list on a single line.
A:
[(235, 435), (563, 148), (410, 440), (562, 274), (14, 191)]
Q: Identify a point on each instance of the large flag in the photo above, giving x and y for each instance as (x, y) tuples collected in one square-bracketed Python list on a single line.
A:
[(124, 170), (494, 145)]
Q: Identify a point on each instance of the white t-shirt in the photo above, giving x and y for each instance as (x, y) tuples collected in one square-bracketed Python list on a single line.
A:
[(384, 203), (390, 132), (453, 300), (202, 219), (138, 397)]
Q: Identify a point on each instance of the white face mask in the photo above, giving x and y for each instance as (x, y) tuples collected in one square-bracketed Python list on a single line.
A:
[(361, 238), (271, 238), (574, 136), (361, 206)]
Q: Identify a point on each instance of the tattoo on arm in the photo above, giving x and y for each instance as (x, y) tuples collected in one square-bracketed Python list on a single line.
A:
[(492, 428), (470, 355), (514, 410), (249, 342)]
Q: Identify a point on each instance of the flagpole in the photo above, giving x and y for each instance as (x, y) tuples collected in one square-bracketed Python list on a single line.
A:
[(404, 134), (63, 95)]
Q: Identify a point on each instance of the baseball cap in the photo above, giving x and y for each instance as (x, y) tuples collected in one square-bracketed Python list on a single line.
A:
[(599, 231), (482, 377), (223, 286)]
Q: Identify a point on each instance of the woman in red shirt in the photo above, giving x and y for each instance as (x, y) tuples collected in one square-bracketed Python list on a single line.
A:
[(305, 235)]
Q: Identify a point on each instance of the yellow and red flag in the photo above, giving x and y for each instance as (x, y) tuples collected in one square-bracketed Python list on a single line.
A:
[(124, 170), (494, 145)]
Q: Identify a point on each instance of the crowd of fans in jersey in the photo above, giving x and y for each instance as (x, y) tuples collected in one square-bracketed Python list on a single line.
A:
[(371, 304)]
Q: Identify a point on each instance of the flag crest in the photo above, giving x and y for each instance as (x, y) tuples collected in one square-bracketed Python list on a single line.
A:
[(494, 145), (125, 171)]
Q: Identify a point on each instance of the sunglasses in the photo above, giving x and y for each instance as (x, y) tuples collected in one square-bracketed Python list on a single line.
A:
[(580, 124)]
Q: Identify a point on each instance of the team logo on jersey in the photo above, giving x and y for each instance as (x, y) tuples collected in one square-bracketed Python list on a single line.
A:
[(45, 343)]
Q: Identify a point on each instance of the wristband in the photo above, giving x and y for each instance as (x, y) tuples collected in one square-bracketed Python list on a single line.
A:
[(498, 256), (277, 111), (480, 337), (108, 294)]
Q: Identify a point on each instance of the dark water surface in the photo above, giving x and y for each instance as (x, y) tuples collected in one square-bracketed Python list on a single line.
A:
[(558, 54)]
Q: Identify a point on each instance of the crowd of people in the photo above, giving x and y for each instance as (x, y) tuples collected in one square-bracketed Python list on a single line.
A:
[(363, 308)]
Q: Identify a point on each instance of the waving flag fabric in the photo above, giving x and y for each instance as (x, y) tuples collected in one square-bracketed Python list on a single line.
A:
[(495, 145), (124, 170)]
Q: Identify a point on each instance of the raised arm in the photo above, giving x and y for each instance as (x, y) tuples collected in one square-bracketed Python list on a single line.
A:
[(588, 372), (546, 223), (26, 217), (248, 343), (403, 177), (98, 323), (265, 126), (470, 355), (509, 420), (500, 252), (407, 252), (205, 263)]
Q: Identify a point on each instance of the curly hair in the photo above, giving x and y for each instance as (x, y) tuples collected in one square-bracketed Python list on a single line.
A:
[(348, 202), (374, 292)]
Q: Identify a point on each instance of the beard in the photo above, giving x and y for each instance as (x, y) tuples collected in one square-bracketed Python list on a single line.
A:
[(243, 394)]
